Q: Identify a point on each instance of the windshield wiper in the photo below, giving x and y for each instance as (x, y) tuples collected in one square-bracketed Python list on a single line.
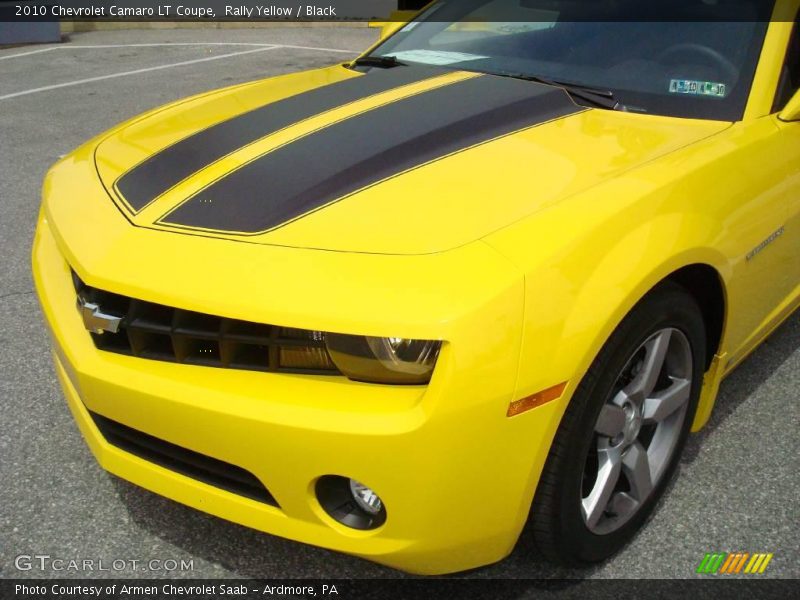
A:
[(601, 98), (382, 62)]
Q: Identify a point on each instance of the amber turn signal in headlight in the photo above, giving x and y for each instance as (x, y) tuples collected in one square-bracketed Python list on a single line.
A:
[(383, 360)]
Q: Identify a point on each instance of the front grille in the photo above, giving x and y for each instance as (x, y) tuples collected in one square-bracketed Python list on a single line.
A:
[(159, 332), (186, 462)]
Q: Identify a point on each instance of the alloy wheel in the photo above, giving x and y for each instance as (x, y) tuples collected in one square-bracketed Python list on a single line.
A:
[(637, 431)]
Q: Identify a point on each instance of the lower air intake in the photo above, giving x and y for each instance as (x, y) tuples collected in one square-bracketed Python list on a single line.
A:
[(186, 462)]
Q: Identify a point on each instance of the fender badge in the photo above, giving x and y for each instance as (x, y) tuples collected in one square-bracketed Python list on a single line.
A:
[(752, 254)]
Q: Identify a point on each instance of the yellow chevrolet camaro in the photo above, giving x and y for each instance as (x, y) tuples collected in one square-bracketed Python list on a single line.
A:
[(493, 271)]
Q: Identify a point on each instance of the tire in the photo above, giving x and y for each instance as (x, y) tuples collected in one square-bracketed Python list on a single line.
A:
[(593, 494)]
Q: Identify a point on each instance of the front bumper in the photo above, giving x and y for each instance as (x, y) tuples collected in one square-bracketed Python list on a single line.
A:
[(456, 475)]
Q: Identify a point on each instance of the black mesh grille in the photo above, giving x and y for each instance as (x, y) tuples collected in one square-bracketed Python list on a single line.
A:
[(159, 332), (186, 462)]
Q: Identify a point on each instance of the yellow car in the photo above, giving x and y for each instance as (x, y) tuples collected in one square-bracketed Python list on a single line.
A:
[(481, 275)]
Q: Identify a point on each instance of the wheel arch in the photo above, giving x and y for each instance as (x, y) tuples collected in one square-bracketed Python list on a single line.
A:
[(706, 286)]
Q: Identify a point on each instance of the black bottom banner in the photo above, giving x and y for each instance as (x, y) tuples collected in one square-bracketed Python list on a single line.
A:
[(445, 588)]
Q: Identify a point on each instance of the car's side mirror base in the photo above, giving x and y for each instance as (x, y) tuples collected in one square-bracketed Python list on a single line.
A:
[(791, 112)]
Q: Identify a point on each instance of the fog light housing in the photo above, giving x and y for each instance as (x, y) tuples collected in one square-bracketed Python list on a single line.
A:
[(350, 502)]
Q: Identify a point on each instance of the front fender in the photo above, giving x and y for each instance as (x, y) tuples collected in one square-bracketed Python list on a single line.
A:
[(583, 276)]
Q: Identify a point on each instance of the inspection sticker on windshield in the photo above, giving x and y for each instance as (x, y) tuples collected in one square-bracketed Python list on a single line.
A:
[(697, 88), (436, 57)]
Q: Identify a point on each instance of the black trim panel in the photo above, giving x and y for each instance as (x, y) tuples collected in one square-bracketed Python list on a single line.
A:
[(351, 155), (181, 460), (162, 171)]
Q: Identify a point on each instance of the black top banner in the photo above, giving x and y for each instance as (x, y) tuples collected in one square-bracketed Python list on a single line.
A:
[(506, 11), (217, 10)]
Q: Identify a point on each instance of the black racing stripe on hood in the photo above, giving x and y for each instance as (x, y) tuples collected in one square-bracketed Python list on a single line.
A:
[(351, 155), (158, 173)]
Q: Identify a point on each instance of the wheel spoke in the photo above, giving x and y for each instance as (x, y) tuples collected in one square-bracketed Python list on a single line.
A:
[(611, 421), (666, 402), (655, 355), (636, 467), (608, 472)]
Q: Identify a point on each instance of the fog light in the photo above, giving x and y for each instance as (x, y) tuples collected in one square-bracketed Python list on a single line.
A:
[(365, 497), (351, 503)]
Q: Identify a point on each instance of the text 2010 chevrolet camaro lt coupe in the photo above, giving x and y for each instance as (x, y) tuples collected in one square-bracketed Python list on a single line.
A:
[(488, 272)]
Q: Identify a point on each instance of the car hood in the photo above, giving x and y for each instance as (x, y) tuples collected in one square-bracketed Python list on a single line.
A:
[(409, 160)]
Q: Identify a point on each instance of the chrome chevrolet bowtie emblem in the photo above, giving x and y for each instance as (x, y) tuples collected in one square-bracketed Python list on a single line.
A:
[(95, 320)]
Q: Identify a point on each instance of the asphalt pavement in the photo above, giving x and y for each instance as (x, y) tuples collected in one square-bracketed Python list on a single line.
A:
[(738, 484)]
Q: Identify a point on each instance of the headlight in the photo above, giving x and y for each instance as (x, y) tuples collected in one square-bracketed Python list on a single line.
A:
[(383, 360)]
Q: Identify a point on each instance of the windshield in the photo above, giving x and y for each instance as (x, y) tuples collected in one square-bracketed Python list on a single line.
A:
[(695, 65)]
